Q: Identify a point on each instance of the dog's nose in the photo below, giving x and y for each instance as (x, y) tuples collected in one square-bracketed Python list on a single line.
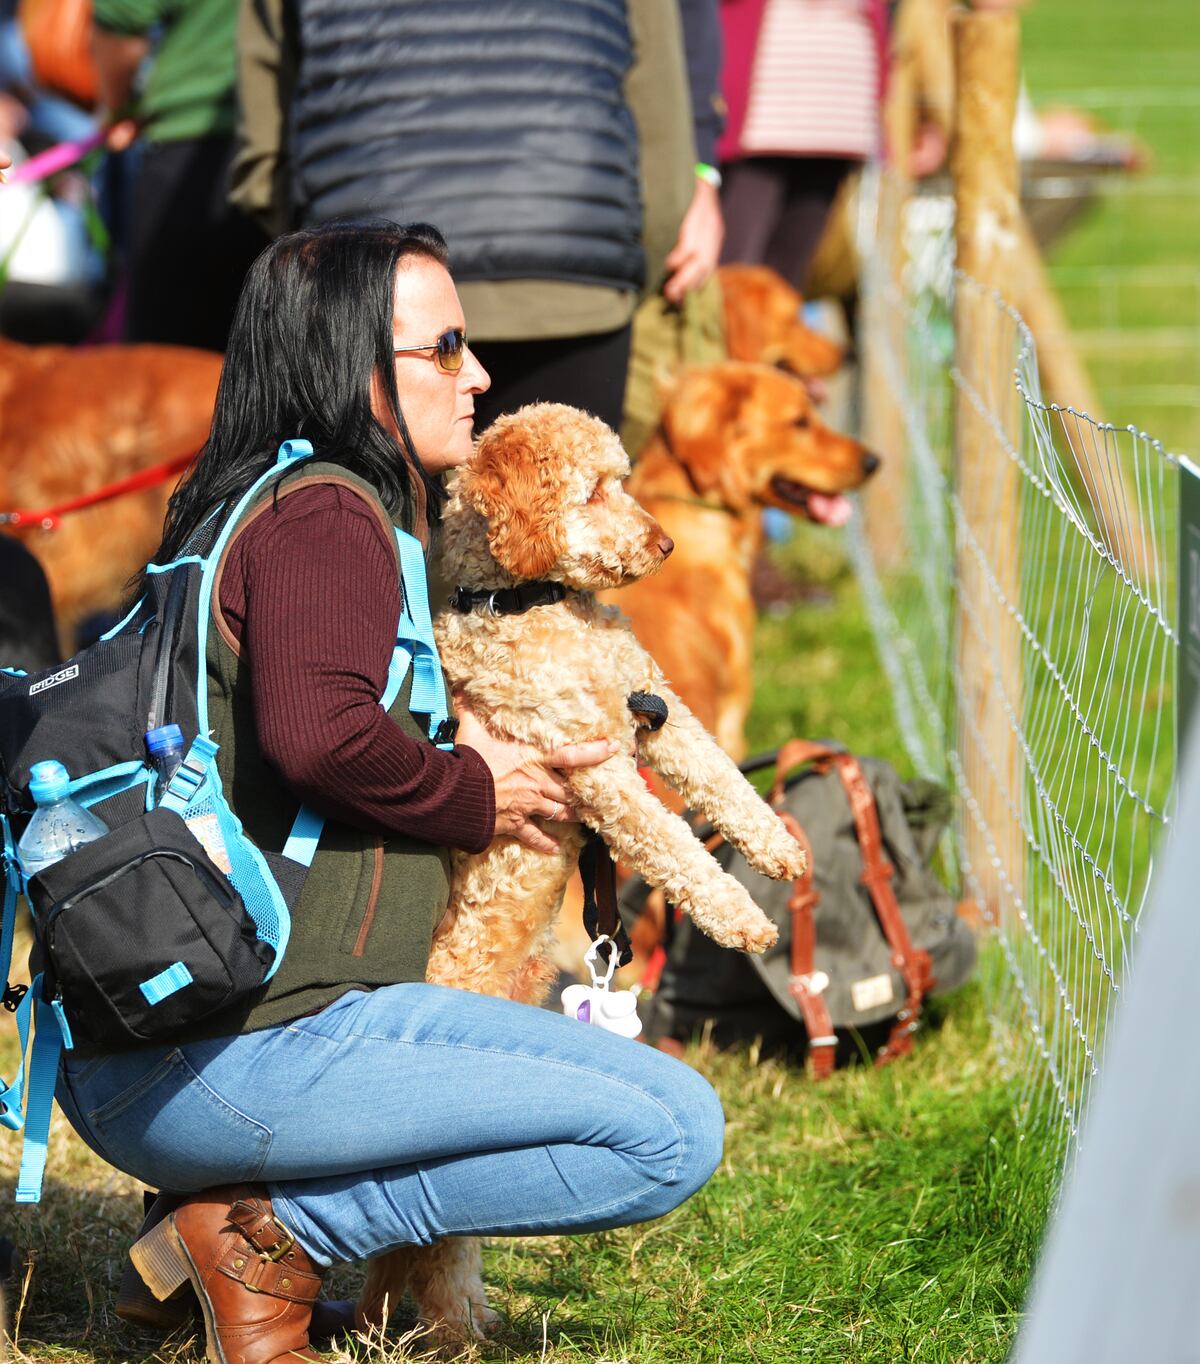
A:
[(665, 545), (871, 462)]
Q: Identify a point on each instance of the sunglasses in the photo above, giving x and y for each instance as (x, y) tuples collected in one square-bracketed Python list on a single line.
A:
[(447, 351)]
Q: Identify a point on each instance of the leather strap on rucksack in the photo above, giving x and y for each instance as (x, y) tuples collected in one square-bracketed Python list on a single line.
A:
[(914, 964), (803, 983), (803, 980)]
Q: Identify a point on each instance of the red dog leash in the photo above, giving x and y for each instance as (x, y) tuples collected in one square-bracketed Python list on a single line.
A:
[(50, 518)]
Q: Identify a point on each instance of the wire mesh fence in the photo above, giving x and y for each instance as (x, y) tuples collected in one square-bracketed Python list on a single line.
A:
[(1025, 612)]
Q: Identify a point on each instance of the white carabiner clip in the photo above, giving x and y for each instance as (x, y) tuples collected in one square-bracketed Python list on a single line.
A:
[(592, 956), (612, 1010)]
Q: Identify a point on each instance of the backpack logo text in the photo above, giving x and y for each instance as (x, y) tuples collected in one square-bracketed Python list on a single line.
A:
[(55, 679)]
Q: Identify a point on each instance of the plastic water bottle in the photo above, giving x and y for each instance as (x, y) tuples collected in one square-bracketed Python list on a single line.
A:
[(165, 746), (59, 825)]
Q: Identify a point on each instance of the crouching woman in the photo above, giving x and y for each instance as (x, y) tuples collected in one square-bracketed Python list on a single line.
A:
[(350, 1107)]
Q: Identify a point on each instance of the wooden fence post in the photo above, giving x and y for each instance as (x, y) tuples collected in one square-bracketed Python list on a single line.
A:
[(987, 482), (883, 379)]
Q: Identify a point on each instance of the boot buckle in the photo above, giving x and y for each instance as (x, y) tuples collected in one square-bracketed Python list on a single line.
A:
[(281, 1247)]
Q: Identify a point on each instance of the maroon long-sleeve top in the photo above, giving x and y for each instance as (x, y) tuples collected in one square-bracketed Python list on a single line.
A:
[(311, 594)]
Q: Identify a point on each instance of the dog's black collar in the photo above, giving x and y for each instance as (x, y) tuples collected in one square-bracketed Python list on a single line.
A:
[(507, 601)]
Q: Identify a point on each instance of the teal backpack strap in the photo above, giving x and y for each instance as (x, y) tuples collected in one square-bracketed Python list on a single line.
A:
[(301, 845), (12, 1097), (189, 776), (47, 1025), (51, 1038), (416, 629), (289, 452), (16, 998)]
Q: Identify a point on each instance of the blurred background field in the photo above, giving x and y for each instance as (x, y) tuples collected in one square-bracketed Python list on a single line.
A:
[(1129, 271)]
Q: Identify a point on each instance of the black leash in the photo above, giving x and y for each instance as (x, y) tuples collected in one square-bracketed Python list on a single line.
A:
[(598, 872)]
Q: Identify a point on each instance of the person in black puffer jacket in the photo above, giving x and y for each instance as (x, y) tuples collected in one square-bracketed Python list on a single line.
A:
[(551, 141)]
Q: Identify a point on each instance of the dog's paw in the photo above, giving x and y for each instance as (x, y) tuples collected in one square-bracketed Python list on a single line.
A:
[(754, 937), (783, 861), (449, 1332), (732, 919)]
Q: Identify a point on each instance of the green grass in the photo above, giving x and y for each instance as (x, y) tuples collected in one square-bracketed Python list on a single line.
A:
[(881, 1216)]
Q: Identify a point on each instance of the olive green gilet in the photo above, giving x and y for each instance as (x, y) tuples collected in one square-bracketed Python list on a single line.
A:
[(370, 904)]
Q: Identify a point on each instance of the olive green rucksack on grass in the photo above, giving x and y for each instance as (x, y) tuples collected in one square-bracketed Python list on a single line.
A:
[(864, 937)]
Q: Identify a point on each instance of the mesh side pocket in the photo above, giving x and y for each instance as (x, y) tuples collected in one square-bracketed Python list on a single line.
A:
[(243, 863)]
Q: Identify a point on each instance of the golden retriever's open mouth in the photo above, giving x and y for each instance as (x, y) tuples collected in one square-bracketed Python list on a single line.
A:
[(830, 509)]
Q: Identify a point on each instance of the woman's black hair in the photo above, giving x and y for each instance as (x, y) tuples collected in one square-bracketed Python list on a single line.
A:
[(313, 328)]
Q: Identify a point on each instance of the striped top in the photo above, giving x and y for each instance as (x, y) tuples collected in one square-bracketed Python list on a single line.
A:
[(815, 83)]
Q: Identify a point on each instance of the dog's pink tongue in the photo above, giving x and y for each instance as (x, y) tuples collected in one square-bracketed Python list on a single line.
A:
[(830, 511)]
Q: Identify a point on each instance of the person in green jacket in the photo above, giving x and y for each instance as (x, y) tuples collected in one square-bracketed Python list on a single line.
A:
[(188, 249)]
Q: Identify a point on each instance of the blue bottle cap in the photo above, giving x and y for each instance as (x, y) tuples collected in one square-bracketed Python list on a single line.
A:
[(163, 738), (48, 781)]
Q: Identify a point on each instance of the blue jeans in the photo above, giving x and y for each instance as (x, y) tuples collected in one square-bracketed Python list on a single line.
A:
[(408, 1114)]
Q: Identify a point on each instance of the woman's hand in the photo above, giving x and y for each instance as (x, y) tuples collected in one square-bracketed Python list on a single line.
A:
[(694, 256), (529, 783)]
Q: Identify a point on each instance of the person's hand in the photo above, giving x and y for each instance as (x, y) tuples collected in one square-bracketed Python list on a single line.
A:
[(694, 256), (529, 783), (119, 136), (929, 149), (13, 119)]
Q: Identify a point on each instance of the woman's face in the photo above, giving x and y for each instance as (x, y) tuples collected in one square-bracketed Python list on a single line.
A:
[(439, 408)]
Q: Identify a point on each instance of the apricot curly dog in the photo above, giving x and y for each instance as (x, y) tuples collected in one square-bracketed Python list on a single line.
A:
[(541, 500)]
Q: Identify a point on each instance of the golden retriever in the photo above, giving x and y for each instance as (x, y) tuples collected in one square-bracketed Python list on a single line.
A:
[(734, 438), (75, 420)]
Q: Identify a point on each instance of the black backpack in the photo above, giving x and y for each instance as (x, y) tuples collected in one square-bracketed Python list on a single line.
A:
[(864, 937), (175, 913)]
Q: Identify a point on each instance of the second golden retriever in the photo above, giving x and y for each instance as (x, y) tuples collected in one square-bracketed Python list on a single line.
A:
[(734, 438), (763, 324)]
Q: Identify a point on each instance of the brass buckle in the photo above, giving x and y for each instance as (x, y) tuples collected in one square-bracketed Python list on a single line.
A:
[(282, 1246)]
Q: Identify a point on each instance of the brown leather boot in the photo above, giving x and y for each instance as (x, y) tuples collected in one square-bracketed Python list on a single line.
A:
[(136, 1303), (256, 1287)]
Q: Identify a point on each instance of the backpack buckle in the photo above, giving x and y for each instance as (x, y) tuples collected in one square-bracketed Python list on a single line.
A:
[(12, 997)]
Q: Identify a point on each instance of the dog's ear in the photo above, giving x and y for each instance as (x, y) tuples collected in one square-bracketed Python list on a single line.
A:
[(511, 482), (809, 354), (702, 423), (743, 298)]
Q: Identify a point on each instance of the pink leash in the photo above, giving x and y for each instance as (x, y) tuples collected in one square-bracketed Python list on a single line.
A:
[(53, 160)]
